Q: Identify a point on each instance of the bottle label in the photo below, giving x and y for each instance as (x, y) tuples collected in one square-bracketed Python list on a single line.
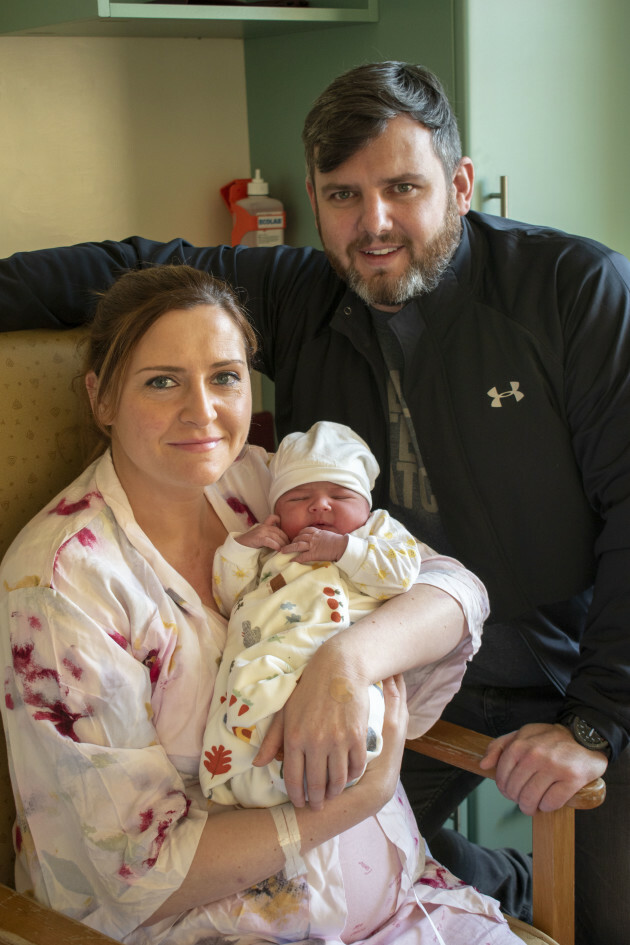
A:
[(248, 226), (270, 221), (269, 237)]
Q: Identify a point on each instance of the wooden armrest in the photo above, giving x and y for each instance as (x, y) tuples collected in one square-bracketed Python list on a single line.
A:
[(464, 748), (24, 922), (553, 843)]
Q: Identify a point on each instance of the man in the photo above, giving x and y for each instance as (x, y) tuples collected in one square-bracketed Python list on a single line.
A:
[(486, 364)]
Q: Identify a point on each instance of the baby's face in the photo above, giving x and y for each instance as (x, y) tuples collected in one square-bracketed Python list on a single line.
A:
[(322, 505)]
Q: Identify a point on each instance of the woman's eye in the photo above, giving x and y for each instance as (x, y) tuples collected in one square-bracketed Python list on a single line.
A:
[(227, 378), (161, 383)]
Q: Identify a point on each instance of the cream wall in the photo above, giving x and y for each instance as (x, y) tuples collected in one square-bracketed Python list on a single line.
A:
[(107, 138)]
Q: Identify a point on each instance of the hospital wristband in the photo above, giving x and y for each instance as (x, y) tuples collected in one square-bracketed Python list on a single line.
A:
[(289, 839)]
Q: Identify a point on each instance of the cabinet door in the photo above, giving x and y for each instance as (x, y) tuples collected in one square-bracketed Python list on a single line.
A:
[(543, 89), (147, 18)]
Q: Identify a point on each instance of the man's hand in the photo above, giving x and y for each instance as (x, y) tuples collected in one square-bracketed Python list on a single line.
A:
[(321, 731), (541, 766), (265, 535), (316, 544)]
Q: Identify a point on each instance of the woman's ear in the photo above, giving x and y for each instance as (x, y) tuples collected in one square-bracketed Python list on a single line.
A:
[(91, 385), (99, 410)]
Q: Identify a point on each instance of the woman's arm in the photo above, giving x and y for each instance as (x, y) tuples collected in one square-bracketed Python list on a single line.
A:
[(248, 841), (125, 801), (322, 727)]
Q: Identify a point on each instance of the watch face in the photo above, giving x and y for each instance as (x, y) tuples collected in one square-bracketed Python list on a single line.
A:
[(586, 734)]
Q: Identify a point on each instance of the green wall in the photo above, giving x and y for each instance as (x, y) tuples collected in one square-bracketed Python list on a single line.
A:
[(546, 85), (286, 74), (539, 87)]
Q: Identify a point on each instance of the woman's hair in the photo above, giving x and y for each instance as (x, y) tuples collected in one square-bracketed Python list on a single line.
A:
[(127, 310), (357, 105)]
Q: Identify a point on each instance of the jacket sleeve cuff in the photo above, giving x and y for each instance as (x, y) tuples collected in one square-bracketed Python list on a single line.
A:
[(614, 733)]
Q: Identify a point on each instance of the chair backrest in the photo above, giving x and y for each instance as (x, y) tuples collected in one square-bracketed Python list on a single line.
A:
[(39, 453), (39, 422)]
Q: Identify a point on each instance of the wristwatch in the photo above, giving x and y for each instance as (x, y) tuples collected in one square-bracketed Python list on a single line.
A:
[(584, 734)]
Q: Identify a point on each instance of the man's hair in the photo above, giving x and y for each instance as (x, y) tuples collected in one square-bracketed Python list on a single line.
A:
[(357, 105)]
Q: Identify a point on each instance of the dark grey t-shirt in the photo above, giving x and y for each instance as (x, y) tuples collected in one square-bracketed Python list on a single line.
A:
[(504, 658)]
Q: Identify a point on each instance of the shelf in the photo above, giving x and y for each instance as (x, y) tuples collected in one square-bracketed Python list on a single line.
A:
[(144, 19)]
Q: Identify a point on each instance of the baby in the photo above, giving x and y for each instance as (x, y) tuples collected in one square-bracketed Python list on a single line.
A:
[(316, 565)]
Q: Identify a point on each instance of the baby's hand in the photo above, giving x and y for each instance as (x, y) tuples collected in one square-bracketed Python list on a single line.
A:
[(316, 544), (265, 535)]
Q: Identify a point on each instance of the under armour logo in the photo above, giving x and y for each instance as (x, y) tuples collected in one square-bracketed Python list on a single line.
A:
[(498, 397)]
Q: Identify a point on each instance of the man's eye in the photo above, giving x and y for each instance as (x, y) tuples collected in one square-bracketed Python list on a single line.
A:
[(161, 382), (404, 188), (342, 195)]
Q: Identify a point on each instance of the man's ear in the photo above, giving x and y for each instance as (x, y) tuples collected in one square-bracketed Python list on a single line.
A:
[(310, 190), (463, 182)]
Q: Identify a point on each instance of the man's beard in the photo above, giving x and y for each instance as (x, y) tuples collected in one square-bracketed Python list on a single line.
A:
[(422, 274)]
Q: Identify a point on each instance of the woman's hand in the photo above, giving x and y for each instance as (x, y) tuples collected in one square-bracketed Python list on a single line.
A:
[(322, 729), (381, 775), (321, 732)]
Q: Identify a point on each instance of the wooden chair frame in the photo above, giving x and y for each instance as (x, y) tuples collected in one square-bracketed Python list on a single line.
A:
[(24, 922), (553, 834)]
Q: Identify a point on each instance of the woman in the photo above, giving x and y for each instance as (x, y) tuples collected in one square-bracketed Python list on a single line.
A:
[(110, 643)]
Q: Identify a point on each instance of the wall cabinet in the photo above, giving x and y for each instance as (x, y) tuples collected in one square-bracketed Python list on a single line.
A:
[(179, 19), (544, 89)]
